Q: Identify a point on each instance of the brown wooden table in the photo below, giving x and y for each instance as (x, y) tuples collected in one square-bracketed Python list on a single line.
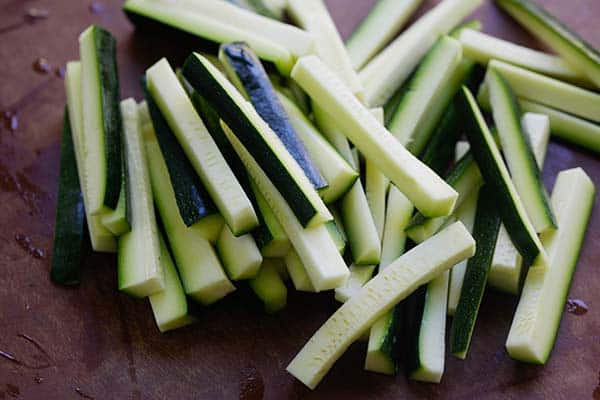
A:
[(94, 342)]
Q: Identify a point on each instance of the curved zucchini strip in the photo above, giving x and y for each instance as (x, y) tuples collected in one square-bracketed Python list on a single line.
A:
[(249, 76), (139, 269), (496, 175), (518, 153), (102, 125), (69, 230), (556, 35), (379, 295), (100, 237), (381, 24), (200, 148), (536, 321), (257, 137), (428, 192)]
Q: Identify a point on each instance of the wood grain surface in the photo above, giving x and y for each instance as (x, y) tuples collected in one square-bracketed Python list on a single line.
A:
[(94, 341)]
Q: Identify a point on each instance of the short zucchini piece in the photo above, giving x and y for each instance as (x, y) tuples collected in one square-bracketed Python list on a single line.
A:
[(421, 91), (385, 73), (258, 137), (379, 26), (170, 306), (359, 275), (430, 194), (269, 287), (548, 91), (485, 233), (200, 148), (316, 249), (338, 173), (297, 272), (240, 255), (518, 153), (200, 270), (495, 174), (379, 295), (555, 35), (102, 125), (193, 201), (101, 238), (505, 273), (69, 230), (139, 269), (482, 48), (536, 321), (247, 73)]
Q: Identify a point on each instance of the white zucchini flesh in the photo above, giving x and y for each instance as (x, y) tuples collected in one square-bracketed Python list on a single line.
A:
[(549, 91), (139, 269), (385, 73), (535, 324), (101, 238), (337, 172), (200, 148), (359, 276), (332, 132), (428, 192), (379, 295), (200, 270), (297, 272), (314, 246), (483, 48), (398, 214), (505, 271), (313, 16), (116, 220), (240, 256), (465, 213), (169, 306), (268, 285), (381, 24)]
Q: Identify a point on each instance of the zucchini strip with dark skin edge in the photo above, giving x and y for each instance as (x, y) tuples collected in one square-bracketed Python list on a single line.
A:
[(485, 233), (70, 227), (248, 75), (193, 200)]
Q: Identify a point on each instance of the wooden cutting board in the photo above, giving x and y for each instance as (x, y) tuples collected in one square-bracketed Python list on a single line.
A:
[(93, 342)]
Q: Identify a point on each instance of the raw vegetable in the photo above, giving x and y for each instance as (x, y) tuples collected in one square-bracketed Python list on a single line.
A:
[(239, 255), (116, 221), (269, 287), (273, 241), (297, 272), (359, 275)]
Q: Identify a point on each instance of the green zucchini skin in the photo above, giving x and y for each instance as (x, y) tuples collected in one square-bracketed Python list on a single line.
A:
[(70, 227), (412, 316), (491, 173), (193, 200), (258, 88), (440, 151), (485, 233), (201, 79), (111, 114)]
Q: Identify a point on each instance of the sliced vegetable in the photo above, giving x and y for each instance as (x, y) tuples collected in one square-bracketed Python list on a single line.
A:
[(116, 221), (69, 230), (273, 241), (376, 188), (247, 73), (359, 275), (170, 306), (397, 281), (314, 246), (496, 175), (337, 172), (485, 233), (536, 321), (556, 35), (338, 235), (100, 237), (548, 91), (518, 153), (297, 272), (425, 189), (482, 48), (239, 255), (421, 91), (379, 26), (256, 136), (139, 269), (385, 73), (269, 287), (201, 272), (102, 125), (332, 132)]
